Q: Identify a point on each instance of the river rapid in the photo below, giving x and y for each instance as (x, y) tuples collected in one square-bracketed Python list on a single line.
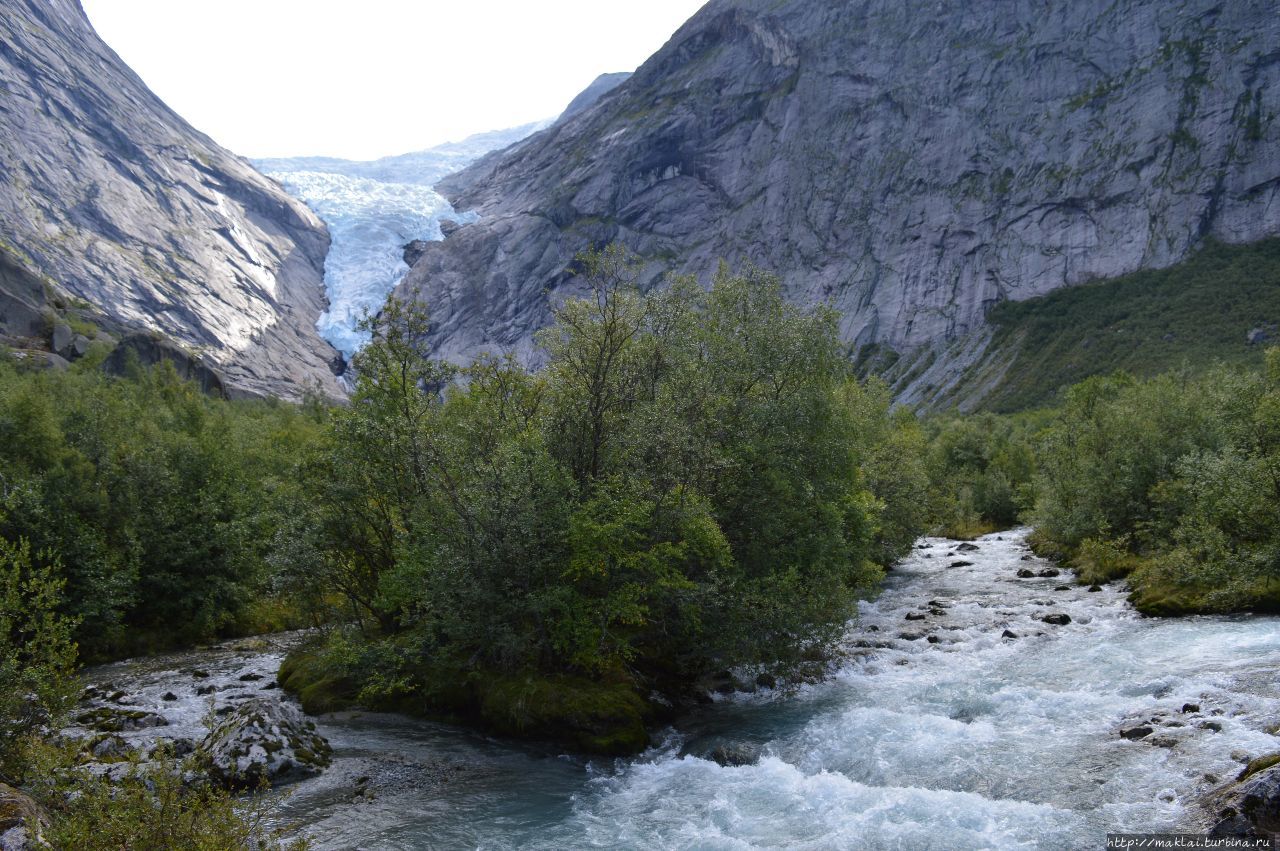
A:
[(957, 719)]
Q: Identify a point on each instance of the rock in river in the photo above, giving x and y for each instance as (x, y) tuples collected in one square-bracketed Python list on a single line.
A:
[(264, 740)]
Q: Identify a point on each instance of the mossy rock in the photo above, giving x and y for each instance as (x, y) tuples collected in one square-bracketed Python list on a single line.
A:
[(1258, 765), (318, 685), (598, 717)]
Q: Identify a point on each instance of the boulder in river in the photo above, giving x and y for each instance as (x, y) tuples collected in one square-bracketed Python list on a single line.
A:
[(1057, 619), (1250, 806), (111, 720), (733, 754), (1024, 573), (967, 548), (961, 563), (264, 740), (1050, 572), (22, 821), (1135, 733)]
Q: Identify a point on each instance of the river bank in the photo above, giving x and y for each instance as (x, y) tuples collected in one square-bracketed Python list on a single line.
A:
[(967, 714)]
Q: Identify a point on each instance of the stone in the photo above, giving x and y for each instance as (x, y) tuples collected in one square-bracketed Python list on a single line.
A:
[(1008, 634), (1057, 619), (22, 821), (1250, 806), (961, 564), (250, 677), (1212, 726), (1189, 708), (80, 346), (1062, 588), (117, 201), (264, 740), (735, 754), (110, 719), (414, 250), (1026, 574), (61, 340), (966, 547), (1050, 572), (169, 697), (1134, 733), (914, 616), (1094, 589)]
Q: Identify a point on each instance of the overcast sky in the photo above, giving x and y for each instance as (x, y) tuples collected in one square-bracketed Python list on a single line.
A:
[(375, 77)]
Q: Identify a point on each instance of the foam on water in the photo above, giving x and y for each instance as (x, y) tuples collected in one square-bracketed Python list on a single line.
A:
[(975, 741)]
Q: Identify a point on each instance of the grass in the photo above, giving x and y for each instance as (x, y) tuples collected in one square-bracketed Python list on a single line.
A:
[(1194, 313)]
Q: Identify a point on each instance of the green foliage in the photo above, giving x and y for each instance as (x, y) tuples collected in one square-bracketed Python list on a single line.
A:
[(692, 482), (980, 473), (1197, 312), (153, 809), (159, 502), (1172, 481), (37, 655)]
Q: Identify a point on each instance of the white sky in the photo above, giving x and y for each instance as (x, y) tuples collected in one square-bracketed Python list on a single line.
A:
[(375, 77)]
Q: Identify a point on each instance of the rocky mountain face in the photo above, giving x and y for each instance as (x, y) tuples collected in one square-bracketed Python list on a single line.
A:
[(911, 163), (109, 197)]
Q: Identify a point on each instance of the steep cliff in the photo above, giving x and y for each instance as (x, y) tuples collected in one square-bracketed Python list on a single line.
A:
[(912, 163), (108, 195)]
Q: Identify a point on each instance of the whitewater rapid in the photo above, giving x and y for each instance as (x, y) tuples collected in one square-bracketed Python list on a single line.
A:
[(934, 732)]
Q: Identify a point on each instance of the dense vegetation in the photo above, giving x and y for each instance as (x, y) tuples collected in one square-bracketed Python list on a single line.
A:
[(1193, 314), (693, 488), (153, 504), (1174, 482), (693, 482)]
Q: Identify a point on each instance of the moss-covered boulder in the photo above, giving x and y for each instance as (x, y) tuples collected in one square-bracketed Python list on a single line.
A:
[(22, 822), (264, 741), (1250, 806), (594, 716)]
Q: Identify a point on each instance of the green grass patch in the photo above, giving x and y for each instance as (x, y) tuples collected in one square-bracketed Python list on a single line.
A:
[(1194, 313)]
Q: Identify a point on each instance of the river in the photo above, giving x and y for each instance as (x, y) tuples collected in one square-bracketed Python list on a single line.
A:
[(935, 732)]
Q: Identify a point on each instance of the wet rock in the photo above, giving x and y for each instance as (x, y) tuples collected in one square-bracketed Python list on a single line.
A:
[(264, 740), (1028, 557), (169, 697), (109, 748), (414, 250), (873, 628), (967, 548), (112, 720), (1135, 733), (204, 690), (733, 754), (937, 613), (172, 747), (1057, 619), (22, 822), (1050, 572), (911, 636), (933, 639), (199, 674), (1094, 589), (767, 681), (1062, 588), (250, 678), (1190, 707), (1026, 574), (914, 616), (961, 563), (1251, 805), (271, 686), (1211, 725), (1008, 634)]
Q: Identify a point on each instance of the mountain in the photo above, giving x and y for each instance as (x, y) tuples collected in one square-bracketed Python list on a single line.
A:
[(599, 87), (109, 198), (914, 164)]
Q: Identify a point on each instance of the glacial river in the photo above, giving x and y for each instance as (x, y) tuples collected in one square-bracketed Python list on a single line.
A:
[(938, 731)]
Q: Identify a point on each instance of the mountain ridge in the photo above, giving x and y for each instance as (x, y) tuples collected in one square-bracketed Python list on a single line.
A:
[(912, 165), (112, 197)]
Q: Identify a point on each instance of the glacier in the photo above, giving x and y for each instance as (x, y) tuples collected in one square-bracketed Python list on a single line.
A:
[(373, 208)]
